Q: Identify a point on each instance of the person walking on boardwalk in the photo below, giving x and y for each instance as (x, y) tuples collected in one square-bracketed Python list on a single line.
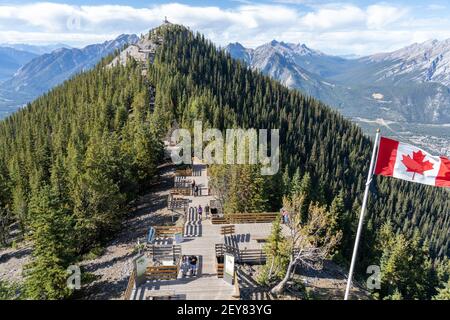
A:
[(193, 263), (184, 266), (200, 212), (196, 190), (193, 187)]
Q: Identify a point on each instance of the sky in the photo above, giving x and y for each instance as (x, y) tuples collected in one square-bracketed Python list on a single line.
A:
[(354, 27)]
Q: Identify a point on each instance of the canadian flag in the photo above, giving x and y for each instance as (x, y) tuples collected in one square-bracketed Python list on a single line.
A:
[(406, 162)]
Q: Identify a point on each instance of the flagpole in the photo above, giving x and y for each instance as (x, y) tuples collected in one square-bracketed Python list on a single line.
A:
[(363, 211)]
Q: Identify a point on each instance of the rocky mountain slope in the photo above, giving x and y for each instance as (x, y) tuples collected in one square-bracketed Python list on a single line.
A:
[(36, 49), (11, 60), (408, 88), (48, 70)]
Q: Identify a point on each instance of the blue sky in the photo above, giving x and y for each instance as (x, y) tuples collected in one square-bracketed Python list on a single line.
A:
[(335, 27)]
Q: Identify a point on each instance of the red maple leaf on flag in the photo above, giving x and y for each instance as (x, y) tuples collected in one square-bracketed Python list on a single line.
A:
[(416, 164)]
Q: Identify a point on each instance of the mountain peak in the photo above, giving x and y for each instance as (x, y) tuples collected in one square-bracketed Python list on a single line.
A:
[(236, 45), (274, 42)]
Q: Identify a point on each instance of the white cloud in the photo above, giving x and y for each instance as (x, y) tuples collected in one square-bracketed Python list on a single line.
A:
[(332, 18), (333, 28), (380, 16)]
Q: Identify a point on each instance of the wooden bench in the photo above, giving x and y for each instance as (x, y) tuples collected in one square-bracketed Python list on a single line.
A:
[(161, 295), (227, 230), (181, 191), (177, 203), (252, 256), (167, 231), (162, 272), (245, 218)]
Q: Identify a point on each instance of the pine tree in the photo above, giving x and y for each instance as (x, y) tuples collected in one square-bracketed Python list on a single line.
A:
[(443, 293), (52, 230), (277, 255)]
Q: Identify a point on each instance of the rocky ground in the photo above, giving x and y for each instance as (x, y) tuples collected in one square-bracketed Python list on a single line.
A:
[(12, 261), (326, 284)]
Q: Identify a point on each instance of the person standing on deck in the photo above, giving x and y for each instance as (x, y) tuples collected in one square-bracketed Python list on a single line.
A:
[(200, 212), (193, 263), (193, 187), (184, 266), (196, 191)]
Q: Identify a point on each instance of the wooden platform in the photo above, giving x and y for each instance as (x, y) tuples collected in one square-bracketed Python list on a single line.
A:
[(200, 241)]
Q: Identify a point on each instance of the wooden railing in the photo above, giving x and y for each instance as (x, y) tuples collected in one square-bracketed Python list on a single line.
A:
[(246, 218), (163, 272), (237, 289), (181, 191), (130, 286), (183, 172), (250, 256), (219, 266), (256, 256), (165, 252), (227, 230)]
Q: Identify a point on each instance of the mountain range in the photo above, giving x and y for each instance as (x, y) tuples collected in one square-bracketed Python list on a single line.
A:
[(43, 72), (36, 49), (406, 91)]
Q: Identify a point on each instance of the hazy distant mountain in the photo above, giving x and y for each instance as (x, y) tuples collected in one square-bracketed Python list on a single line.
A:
[(238, 51), (48, 70), (409, 85), (425, 62), (37, 49), (296, 66), (405, 92), (11, 60)]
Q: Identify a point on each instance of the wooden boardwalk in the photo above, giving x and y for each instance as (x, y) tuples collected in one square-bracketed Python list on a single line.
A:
[(200, 239)]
